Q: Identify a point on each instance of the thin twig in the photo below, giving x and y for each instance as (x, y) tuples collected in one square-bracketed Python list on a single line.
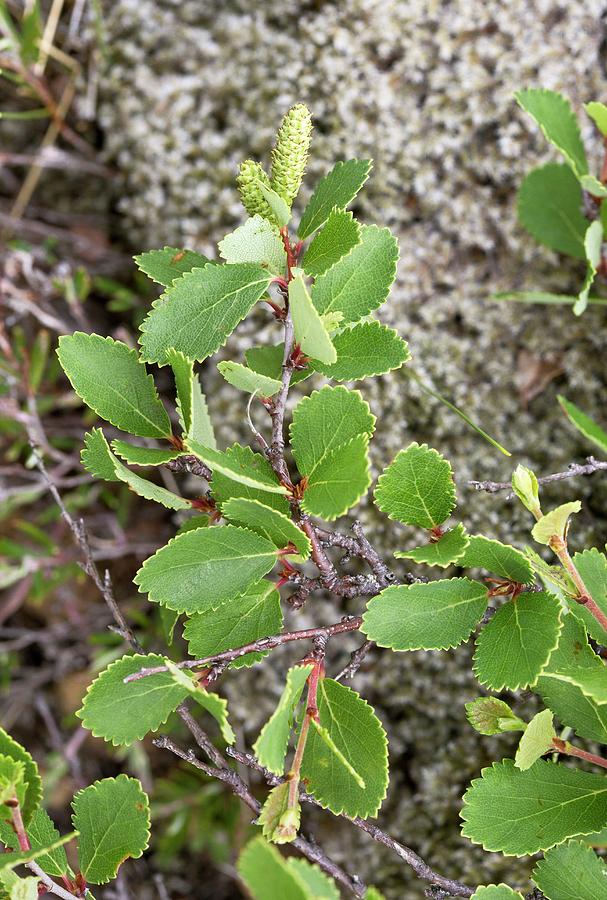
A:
[(588, 468), (49, 884)]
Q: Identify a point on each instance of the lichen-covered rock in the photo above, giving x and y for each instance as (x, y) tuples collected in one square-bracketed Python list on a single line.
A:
[(191, 89)]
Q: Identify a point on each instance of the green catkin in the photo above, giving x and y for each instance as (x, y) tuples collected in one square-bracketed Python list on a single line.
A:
[(290, 154), (249, 176)]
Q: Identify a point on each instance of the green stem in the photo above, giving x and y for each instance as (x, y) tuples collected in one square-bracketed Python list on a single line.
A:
[(294, 775), (559, 546)]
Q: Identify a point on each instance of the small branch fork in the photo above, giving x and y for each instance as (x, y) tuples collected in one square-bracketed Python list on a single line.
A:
[(591, 466)]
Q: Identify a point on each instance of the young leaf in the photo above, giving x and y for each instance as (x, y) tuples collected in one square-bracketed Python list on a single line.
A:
[(212, 703), (566, 699), (592, 566), (136, 455), (125, 713), (96, 456), (248, 380), (571, 870), (324, 421), (449, 548), (489, 715), (515, 646), (270, 748), (41, 833), (336, 190), (587, 426), (113, 819), (24, 888), (191, 402), (238, 462), (310, 332), (554, 115), (339, 480), (257, 241), (279, 823), (12, 785), (359, 737), (496, 892), (518, 813), (340, 234), (598, 114), (319, 885), (128, 398), (268, 522), (433, 616), (202, 569), (366, 349), (266, 874), (239, 467), (536, 740), (280, 208), (593, 243), (500, 559), (361, 281), (164, 266), (268, 361), (33, 793), (254, 615), (198, 312), (550, 208), (555, 523), (417, 488)]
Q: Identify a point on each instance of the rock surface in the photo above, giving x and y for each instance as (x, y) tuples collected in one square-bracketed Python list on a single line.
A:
[(426, 90)]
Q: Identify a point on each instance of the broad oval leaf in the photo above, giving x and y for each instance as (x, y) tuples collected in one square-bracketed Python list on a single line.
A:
[(257, 241), (9, 747), (554, 115), (164, 266), (571, 870), (268, 522), (202, 569), (112, 817), (336, 190), (500, 559), (432, 616), (449, 548), (267, 875), (339, 480), (363, 350), (340, 234), (127, 399), (536, 740), (417, 488), (496, 892), (550, 208), (320, 886)]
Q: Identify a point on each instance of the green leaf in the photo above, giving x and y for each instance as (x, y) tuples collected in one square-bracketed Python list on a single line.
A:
[(33, 795), (254, 615), (257, 241), (360, 281), (417, 488), (555, 523), (270, 748), (310, 332), (12, 785), (279, 822), (164, 266), (339, 757), (198, 312), (500, 559), (554, 115), (592, 566), (340, 234), (587, 426), (25, 889), (237, 467), (96, 456), (136, 455), (593, 243), (268, 522), (449, 548), (10, 861), (598, 114), (550, 208), (191, 402), (268, 361), (246, 379), (277, 204), (489, 715), (336, 190), (514, 647), (571, 870), (526, 487), (267, 875), (536, 740), (363, 350), (127, 399), (496, 892), (518, 813), (319, 885), (339, 481), (212, 703), (566, 699), (325, 421), (239, 462), (432, 616), (359, 737), (125, 713), (202, 569), (42, 833), (544, 297), (113, 818)]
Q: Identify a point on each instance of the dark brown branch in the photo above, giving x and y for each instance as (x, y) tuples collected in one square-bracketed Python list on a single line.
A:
[(356, 660), (588, 468)]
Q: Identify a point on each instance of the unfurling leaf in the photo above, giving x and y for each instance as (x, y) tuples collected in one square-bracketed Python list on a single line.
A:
[(335, 191), (279, 821), (310, 332), (536, 740), (281, 211), (593, 243), (164, 266), (417, 488), (555, 523), (191, 402), (271, 746), (257, 241), (490, 715), (246, 379), (526, 488)]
